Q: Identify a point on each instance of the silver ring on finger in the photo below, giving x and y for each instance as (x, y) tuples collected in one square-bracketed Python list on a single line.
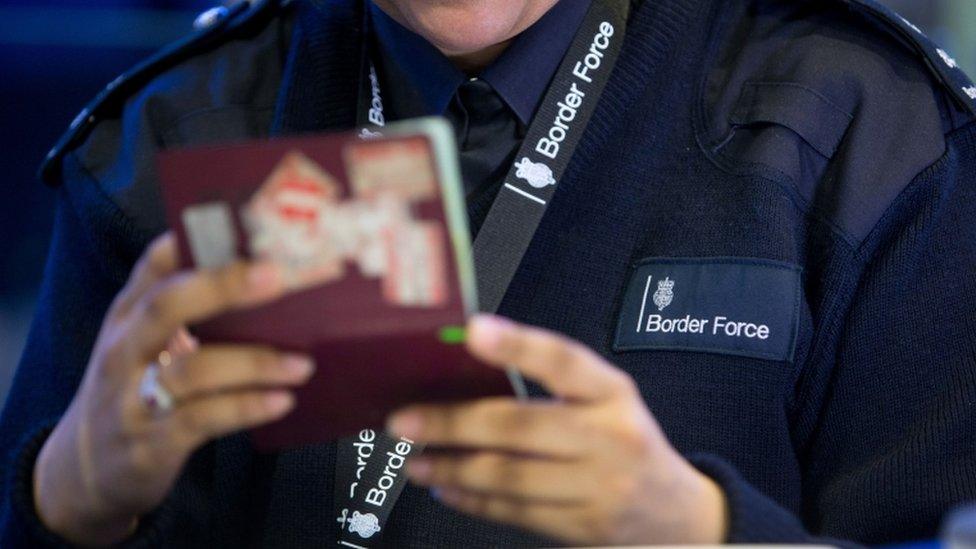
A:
[(153, 394)]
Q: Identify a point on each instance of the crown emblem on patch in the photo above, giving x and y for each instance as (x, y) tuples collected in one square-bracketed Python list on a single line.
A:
[(664, 293)]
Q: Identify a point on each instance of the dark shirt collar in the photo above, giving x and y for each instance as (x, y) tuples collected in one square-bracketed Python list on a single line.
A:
[(520, 75)]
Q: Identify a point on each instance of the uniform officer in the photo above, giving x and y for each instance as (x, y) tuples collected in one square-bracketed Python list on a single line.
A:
[(751, 292)]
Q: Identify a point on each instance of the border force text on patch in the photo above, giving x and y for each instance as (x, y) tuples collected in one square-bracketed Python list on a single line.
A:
[(737, 306)]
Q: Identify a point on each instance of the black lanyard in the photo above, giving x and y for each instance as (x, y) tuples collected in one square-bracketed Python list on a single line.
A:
[(370, 468)]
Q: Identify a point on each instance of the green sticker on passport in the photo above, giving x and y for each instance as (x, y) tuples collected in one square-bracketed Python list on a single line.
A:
[(452, 335)]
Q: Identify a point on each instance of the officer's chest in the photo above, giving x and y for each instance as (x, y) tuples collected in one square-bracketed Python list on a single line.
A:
[(689, 278)]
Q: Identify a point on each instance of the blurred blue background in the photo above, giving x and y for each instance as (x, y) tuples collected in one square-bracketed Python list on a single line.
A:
[(57, 54)]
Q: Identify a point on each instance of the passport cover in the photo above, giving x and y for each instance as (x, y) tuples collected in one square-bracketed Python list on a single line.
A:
[(372, 236)]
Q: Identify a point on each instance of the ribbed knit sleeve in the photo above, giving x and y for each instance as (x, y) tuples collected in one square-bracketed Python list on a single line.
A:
[(23, 528), (21, 525), (892, 450), (77, 289), (752, 517)]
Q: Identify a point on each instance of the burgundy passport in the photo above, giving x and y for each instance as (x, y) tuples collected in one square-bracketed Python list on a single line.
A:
[(371, 235)]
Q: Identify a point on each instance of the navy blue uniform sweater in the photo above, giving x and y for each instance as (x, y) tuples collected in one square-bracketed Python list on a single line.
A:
[(798, 132)]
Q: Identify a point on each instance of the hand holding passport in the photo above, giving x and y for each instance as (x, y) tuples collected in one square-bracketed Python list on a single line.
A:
[(371, 237)]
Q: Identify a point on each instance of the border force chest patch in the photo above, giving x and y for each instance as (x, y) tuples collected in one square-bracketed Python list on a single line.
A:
[(734, 306)]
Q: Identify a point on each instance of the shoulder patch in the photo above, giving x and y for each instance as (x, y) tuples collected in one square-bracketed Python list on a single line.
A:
[(725, 305), (942, 66), (211, 29)]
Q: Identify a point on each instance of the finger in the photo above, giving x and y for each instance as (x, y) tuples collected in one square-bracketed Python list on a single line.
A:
[(499, 474), (565, 367), (156, 263), (232, 367), (565, 521), (195, 295), (203, 419), (540, 427)]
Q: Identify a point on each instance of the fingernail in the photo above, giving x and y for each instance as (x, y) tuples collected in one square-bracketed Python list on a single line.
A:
[(419, 468), (264, 277), (406, 424), (298, 365), (487, 330), (189, 342), (279, 402)]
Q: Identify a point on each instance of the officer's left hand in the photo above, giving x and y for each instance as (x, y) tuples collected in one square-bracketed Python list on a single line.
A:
[(591, 466)]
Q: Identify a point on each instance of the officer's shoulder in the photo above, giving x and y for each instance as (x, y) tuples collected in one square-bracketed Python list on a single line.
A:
[(178, 71), (859, 39), (815, 91), (846, 49)]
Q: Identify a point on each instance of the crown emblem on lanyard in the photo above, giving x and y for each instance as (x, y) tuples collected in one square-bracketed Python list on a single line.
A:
[(536, 174), (364, 524)]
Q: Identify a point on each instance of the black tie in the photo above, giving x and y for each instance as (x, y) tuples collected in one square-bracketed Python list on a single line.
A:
[(488, 137)]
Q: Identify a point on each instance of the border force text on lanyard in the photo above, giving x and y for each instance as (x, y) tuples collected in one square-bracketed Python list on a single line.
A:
[(370, 468)]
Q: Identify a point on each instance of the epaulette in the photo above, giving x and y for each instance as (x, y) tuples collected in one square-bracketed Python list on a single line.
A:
[(210, 29), (942, 66)]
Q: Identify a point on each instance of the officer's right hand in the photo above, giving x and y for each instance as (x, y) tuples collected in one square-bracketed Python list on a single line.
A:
[(111, 458)]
